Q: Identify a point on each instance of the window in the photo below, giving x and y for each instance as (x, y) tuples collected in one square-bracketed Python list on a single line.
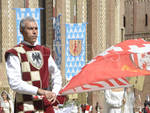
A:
[(124, 21), (146, 20)]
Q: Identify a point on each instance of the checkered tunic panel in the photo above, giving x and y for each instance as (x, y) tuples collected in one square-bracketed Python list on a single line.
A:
[(34, 61)]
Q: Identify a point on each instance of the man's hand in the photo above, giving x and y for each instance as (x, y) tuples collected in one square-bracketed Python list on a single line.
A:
[(48, 94)]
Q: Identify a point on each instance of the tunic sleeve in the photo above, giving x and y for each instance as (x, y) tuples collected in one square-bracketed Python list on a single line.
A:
[(14, 77)]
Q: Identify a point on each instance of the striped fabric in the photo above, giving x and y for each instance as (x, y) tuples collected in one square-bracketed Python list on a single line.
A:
[(100, 85)]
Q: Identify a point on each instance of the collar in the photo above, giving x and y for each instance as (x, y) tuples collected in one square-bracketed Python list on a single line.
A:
[(27, 43)]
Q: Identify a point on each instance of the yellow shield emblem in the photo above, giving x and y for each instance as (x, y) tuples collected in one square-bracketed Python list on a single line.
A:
[(75, 47)]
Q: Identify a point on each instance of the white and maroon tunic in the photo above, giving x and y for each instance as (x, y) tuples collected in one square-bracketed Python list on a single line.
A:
[(28, 68)]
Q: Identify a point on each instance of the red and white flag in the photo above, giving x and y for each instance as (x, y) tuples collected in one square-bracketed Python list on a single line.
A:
[(109, 69)]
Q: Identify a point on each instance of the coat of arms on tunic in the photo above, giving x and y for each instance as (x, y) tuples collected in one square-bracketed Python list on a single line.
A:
[(75, 47), (35, 58)]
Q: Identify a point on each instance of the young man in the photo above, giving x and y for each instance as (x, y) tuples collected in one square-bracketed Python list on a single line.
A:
[(28, 69)]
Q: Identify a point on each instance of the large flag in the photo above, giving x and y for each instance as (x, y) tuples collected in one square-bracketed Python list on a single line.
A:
[(23, 12), (57, 41), (75, 49), (107, 70)]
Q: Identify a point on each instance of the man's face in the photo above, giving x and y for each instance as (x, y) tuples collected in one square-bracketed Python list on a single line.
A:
[(30, 32)]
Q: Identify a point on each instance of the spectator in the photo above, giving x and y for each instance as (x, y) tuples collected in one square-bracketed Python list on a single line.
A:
[(146, 108), (97, 107), (7, 103)]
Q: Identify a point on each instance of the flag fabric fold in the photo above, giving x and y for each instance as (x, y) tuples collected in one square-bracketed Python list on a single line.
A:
[(109, 68)]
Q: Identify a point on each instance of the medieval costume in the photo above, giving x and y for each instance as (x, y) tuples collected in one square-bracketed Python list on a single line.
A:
[(29, 68), (114, 101), (146, 108), (130, 100)]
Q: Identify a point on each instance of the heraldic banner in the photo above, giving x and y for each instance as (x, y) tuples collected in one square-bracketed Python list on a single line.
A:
[(23, 12), (75, 49), (57, 41)]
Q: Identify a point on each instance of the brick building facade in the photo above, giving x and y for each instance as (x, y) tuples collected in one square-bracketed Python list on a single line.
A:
[(109, 22), (137, 25), (136, 19)]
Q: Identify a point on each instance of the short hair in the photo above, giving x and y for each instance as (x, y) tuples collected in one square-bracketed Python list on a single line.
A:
[(22, 22)]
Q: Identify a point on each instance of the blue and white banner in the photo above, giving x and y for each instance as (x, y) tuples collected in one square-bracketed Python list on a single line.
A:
[(75, 49), (23, 12), (57, 41)]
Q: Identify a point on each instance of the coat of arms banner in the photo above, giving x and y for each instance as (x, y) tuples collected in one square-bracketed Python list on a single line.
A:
[(75, 49), (57, 41)]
